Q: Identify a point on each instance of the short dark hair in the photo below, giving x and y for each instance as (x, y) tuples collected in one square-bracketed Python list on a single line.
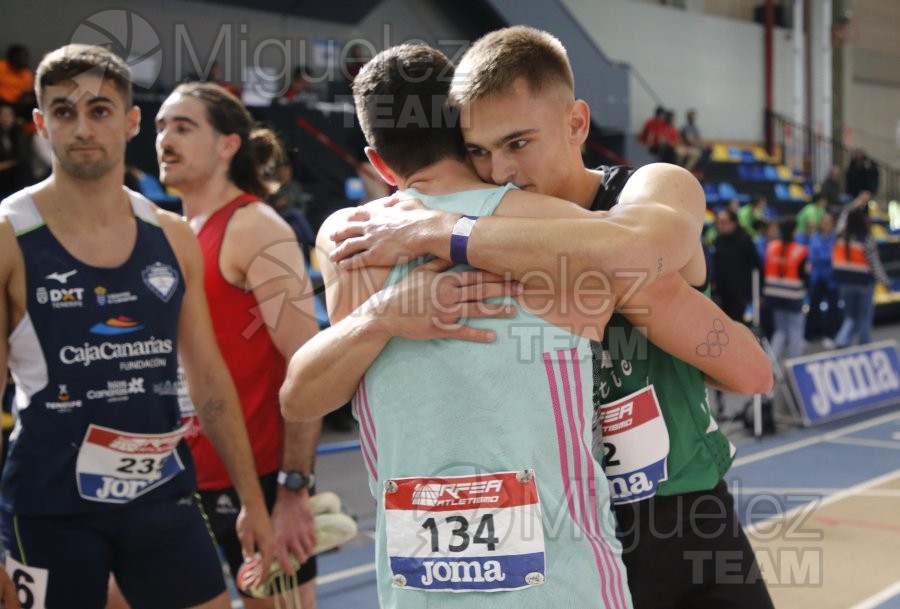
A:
[(402, 103), (259, 145), (72, 60), (497, 59)]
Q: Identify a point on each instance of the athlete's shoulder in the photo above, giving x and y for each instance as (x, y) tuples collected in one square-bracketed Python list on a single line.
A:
[(258, 221)]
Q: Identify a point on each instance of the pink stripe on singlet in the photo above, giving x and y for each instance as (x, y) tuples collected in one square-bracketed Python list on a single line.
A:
[(367, 430), (606, 565), (594, 514)]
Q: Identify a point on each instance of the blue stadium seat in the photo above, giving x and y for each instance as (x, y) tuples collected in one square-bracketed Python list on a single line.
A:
[(711, 192)]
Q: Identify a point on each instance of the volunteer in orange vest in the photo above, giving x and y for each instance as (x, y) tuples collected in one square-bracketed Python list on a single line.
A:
[(787, 274), (856, 266)]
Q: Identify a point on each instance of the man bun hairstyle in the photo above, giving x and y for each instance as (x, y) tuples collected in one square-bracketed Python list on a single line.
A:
[(260, 146)]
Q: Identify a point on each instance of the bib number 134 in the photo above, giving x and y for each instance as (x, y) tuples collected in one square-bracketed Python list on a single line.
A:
[(459, 535)]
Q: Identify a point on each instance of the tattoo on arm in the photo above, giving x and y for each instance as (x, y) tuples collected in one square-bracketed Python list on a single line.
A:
[(213, 409), (716, 340), (659, 267)]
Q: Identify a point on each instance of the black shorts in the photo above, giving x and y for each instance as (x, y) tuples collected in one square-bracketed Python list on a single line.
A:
[(689, 551), (161, 553), (222, 508)]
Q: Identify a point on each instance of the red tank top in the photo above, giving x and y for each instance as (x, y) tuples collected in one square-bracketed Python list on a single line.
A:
[(255, 363)]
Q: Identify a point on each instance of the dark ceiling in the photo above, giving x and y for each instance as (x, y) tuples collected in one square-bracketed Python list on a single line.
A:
[(340, 11)]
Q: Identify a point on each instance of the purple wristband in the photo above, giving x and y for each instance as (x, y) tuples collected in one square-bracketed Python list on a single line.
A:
[(459, 239)]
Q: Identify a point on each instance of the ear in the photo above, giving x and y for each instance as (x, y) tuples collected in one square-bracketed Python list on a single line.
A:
[(38, 118), (229, 145), (134, 122), (579, 122), (380, 166)]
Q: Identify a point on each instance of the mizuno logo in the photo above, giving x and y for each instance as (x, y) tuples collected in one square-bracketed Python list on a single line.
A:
[(62, 277)]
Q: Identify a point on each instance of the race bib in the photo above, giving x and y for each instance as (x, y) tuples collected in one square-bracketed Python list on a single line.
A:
[(631, 439), (116, 467), (30, 583), (478, 533)]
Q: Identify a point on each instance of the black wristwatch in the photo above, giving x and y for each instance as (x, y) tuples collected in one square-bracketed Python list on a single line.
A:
[(295, 481)]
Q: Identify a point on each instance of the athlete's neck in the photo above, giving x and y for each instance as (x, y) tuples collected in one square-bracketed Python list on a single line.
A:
[(203, 199), (76, 202), (444, 177), (582, 188)]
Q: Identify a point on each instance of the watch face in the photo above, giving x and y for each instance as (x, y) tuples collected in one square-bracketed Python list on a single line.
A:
[(295, 481)]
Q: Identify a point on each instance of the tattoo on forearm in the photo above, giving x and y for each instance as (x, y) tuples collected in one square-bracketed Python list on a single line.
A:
[(659, 267), (212, 410), (716, 340)]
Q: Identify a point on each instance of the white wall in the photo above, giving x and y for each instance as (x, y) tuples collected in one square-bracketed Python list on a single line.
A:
[(710, 63)]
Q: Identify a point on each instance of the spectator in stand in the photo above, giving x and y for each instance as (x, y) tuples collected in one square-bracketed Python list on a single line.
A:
[(15, 153), (786, 280), (832, 190), (809, 218), (696, 150), (763, 229), (809, 229), (862, 174), (661, 137), (650, 131), (216, 76), (756, 209), (824, 316), (17, 81), (289, 200), (767, 231), (734, 259), (856, 267), (301, 89)]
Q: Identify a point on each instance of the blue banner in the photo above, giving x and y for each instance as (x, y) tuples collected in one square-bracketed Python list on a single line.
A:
[(835, 384)]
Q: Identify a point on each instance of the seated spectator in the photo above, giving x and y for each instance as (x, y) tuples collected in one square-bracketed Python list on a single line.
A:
[(862, 174), (15, 153), (696, 151), (650, 131), (756, 209), (832, 190), (17, 81)]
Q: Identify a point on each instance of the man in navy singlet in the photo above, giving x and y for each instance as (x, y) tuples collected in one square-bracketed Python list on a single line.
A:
[(103, 293)]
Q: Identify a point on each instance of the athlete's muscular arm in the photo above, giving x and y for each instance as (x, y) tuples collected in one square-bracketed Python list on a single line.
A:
[(263, 249), (213, 393), (683, 322), (655, 229), (325, 372)]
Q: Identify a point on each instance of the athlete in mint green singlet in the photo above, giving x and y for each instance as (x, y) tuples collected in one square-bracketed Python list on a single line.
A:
[(480, 463)]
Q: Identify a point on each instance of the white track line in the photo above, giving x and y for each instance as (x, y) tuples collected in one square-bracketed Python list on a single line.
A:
[(345, 574), (873, 601), (752, 528), (866, 442), (786, 448)]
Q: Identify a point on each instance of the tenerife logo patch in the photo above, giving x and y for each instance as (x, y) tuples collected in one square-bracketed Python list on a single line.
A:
[(116, 325), (161, 279)]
